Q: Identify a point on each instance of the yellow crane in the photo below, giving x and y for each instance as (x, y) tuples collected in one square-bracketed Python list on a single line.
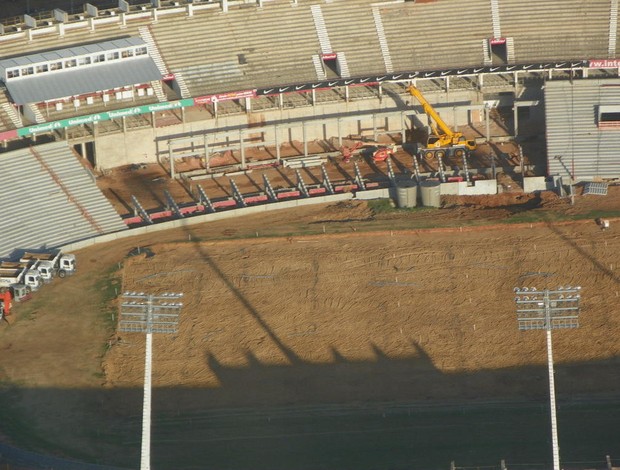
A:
[(442, 136)]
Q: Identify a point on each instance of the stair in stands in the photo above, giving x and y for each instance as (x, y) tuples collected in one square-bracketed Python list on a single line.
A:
[(153, 50), (318, 66), (13, 114), (385, 51), (321, 29), (613, 28), (497, 30)]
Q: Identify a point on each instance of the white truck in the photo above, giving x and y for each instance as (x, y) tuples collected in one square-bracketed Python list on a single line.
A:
[(50, 264), (20, 278)]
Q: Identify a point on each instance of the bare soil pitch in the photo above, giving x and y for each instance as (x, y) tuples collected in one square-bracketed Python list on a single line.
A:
[(333, 319)]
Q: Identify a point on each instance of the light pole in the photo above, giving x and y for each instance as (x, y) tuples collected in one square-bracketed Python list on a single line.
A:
[(148, 313), (546, 310)]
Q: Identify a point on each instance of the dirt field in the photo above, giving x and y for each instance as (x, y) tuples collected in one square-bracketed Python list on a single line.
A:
[(323, 334)]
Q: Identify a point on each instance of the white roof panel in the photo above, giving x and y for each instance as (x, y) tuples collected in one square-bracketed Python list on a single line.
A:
[(82, 80)]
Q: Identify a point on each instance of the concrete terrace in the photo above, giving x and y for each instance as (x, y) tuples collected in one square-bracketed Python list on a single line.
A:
[(252, 47)]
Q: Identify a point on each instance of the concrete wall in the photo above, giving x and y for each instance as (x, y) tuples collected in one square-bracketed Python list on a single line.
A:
[(201, 219), (382, 193), (535, 183), (141, 146), (461, 188)]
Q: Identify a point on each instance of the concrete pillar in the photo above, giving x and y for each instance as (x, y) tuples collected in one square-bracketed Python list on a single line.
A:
[(303, 132), (248, 105), (153, 119), (516, 83), (215, 108), (260, 3), (339, 132), (190, 9), (281, 100), (276, 131), (225, 6), (83, 147), (60, 27), (183, 115), (91, 24), (550, 74), (313, 97), (206, 148), (242, 148), (488, 126), (374, 127), (171, 159), (480, 81), (346, 94), (447, 82), (154, 16), (584, 72), (124, 121), (403, 128), (515, 118), (123, 20)]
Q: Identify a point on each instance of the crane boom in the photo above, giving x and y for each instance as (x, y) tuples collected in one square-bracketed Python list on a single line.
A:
[(442, 135)]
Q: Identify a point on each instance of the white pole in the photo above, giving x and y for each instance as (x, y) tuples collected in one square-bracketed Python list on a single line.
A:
[(145, 460), (554, 423)]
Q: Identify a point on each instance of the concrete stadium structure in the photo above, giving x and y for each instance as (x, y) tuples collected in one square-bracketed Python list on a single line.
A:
[(224, 65), (121, 85), (235, 65)]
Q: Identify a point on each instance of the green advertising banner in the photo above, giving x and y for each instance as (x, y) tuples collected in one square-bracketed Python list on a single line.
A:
[(105, 116)]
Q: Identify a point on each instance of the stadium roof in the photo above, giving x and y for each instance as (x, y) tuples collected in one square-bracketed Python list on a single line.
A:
[(81, 81), (71, 52)]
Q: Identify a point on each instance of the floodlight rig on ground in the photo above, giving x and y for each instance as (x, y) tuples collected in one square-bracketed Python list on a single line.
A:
[(148, 313), (546, 310)]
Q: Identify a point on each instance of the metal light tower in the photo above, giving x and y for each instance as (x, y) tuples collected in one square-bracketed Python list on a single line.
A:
[(546, 310), (148, 313)]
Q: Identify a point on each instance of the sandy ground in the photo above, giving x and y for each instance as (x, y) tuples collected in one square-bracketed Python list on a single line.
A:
[(147, 182), (442, 302), (333, 318)]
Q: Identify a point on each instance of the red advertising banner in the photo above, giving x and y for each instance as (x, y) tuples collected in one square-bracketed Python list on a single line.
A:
[(8, 134), (329, 56), (168, 77), (498, 41), (604, 63), (233, 95)]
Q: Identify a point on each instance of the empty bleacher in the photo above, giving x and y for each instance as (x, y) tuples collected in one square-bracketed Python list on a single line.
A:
[(50, 204), (6, 122), (239, 50), (573, 29), (251, 47), (351, 25), (435, 35)]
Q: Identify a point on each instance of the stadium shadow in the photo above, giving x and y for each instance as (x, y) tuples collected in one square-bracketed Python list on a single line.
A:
[(587, 256), (396, 413)]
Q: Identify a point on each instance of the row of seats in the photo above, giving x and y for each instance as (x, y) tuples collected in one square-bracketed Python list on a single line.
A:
[(262, 47), (240, 49), (574, 29), (26, 224)]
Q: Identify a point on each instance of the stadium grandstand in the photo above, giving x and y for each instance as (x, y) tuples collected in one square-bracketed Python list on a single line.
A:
[(88, 88), (114, 83)]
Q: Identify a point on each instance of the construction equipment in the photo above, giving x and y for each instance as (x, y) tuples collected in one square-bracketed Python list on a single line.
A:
[(20, 278), (5, 302), (442, 137), (50, 264), (381, 154)]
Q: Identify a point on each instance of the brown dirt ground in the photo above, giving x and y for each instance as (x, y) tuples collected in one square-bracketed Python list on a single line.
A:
[(405, 315), (147, 182)]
